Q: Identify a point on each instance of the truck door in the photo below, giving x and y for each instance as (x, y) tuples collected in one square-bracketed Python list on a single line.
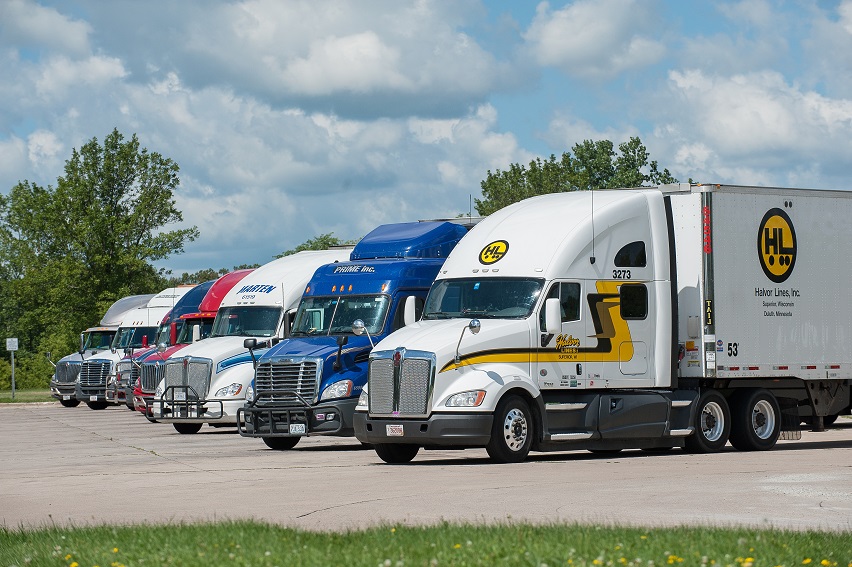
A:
[(620, 328), (561, 358)]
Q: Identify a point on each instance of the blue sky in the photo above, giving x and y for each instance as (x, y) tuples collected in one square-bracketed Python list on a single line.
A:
[(294, 119)]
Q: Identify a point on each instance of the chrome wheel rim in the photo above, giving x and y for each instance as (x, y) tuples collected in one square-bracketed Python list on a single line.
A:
[(763, 419), (515, 429), (712, 421)]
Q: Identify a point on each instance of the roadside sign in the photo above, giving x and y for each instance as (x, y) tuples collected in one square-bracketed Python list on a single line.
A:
[(12, 344)]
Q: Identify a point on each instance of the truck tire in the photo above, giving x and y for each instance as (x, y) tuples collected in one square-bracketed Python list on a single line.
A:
[(396, 453), (512, 431), (187, 428), (97, 405), (712, 424), (280, 443), (756, 420), (69, 403)]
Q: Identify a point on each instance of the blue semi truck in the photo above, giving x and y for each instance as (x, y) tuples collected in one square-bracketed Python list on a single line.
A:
[(309, 384)]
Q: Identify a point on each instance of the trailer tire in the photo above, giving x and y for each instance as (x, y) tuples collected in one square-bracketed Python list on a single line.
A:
[(756, 419), (396, 453), (511, 432), (281, 443), (187, 428), (97, 405), (712, 424), (69, 403)]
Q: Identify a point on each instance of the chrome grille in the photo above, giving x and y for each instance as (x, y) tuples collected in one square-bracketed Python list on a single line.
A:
[(405, 391), (134, 375), (151, 375), (381, 386), (67, 372), (192, 372), (94, 373), (414, 386), (293, 375)]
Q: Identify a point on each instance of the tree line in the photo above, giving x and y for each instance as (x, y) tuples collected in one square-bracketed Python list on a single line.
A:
[(68, 251)]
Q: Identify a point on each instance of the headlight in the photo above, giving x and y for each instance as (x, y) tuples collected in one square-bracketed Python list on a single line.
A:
[(363, 401), (340, 389), (250, 392), (229, 390), (466, 399)]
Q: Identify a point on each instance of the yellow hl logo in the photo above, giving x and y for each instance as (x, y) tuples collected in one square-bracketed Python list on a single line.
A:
[(776, 245), (493, 252)]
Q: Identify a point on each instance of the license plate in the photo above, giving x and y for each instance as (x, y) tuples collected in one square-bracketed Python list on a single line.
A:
[(297, 428), (66, 397), (394, 430), (180, 396), (93, 398)]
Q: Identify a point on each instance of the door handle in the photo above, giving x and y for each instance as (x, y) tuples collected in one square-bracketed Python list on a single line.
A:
[(579, 369)]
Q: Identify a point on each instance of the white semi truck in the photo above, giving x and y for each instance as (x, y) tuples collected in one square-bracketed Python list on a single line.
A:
[(677, 316), (96, 382), (92, 341), (206, 382)]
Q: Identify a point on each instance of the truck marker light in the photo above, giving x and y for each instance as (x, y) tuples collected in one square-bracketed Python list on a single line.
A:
[(809, 367), (752, 368), (833, 366)]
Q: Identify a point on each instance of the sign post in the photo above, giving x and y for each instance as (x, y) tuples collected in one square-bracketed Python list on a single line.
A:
[(12, 346)]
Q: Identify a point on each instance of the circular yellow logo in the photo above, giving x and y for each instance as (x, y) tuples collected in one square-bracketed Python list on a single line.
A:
[(493, 252), (776, 245)]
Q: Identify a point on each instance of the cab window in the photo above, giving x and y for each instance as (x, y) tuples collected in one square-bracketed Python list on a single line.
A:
[(634, 301), (568, 294), (631, 256)]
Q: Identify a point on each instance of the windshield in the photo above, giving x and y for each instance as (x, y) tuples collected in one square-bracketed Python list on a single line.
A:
[(131, 337), (485, 298), (335, 315), (246, 322), (185, 333), (98, 339)]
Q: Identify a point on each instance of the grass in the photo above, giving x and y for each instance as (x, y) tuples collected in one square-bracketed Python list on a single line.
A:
[(25, 396), (253, 543)]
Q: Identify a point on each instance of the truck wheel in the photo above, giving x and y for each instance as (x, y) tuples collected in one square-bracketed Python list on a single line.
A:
[(712, 424), (512, 431), (187, 428), (280, 443), (69, 403), (756, 420), (396, 453), (97, 405)]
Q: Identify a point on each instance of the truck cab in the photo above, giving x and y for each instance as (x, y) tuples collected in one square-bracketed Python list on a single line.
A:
[(309, 384), (94, 340), (138, 329), (190, 326), (206, 382)]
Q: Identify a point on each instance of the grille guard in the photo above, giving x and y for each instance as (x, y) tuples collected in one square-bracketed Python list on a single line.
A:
[(272, 414), (168, 408)]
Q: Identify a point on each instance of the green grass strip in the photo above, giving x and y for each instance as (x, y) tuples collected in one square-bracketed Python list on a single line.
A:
[(260, 544), (25, 396)]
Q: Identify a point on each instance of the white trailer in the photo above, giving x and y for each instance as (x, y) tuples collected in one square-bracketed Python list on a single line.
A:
[(677, 316), (206, 382)]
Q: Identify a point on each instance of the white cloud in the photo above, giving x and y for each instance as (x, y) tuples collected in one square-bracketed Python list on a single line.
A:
[(44, 150), (594, 39), (26, 23), (753, 127), (58, 75)]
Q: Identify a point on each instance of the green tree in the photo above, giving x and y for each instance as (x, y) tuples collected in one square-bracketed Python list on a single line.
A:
[(593, 165), (321, 242), (67, 252)]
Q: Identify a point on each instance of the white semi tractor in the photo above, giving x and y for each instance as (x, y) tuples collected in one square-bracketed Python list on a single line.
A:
[(206, 382), (93, 340), (96, 382), (676, 316)]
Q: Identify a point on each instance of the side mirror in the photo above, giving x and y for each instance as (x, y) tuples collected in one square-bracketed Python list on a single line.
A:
[(359, 328), (82, 344), (173, 333), (196, 333), (552, 316), (410, 313), (250, 344), (162, 347), (144, 341)]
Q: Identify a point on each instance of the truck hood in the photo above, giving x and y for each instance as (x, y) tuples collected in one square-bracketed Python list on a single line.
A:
[(319, 346), (499, 340)]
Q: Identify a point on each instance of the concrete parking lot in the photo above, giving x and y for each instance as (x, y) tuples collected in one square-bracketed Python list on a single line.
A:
[(76, 466)]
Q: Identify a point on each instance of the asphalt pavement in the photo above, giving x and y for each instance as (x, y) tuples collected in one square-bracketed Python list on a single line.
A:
[(77, 466)]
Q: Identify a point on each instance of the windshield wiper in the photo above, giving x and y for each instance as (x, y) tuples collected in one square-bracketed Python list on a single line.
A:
[(438, 315)]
